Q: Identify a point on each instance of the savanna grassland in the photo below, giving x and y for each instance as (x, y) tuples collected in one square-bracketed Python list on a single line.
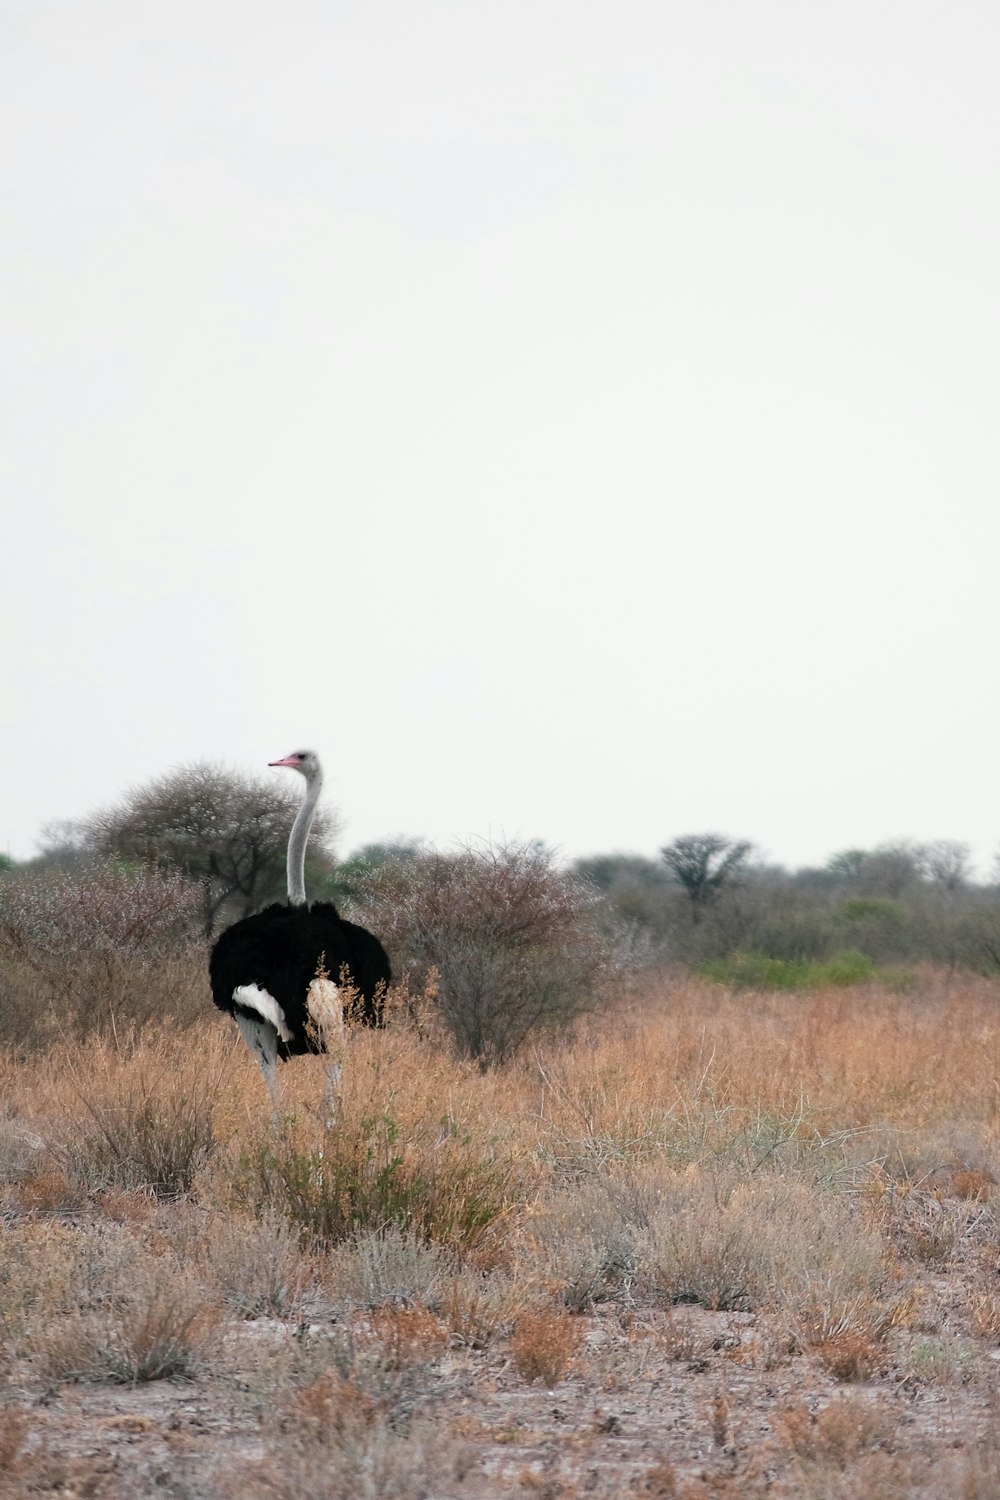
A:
[(713, 1244)]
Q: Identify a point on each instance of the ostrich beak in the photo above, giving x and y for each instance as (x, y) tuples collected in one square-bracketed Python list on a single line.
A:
[(289, 760)]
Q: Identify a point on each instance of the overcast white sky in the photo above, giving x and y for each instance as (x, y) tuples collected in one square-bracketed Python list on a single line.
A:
[(575, 420)]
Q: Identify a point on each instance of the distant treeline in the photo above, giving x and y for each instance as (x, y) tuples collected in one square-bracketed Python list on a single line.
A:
[(707, 897)]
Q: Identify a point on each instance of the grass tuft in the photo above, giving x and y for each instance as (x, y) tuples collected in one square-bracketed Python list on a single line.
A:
[(136, 1115)]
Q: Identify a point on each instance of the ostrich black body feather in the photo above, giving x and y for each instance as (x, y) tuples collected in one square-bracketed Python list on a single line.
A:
[(280, 950)]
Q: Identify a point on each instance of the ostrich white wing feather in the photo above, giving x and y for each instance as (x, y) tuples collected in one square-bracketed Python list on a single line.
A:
[(254, 998)]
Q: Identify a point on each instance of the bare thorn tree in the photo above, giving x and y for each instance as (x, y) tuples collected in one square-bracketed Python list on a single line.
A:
[(704, 863)]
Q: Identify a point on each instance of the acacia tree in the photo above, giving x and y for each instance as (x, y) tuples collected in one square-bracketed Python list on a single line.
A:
[(948, 863), (704, 863), (227, 831), (886, 870)]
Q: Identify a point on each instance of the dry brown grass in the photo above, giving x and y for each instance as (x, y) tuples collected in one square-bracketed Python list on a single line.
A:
[(745, 1193), (421, 1143), (544, 1343), (835, 1061), (96, 993)]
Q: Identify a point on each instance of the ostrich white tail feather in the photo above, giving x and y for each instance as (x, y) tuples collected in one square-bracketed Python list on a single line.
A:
[(326, 1010)]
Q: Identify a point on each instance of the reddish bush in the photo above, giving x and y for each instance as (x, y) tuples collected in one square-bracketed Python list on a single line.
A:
[(102, 909), (90, 950)]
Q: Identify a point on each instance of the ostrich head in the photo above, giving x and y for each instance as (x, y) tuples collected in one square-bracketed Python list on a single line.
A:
[(305, 761)]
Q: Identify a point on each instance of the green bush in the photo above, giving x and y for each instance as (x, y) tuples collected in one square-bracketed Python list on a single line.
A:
[(361, 1179), (756, 971), (871, 911)]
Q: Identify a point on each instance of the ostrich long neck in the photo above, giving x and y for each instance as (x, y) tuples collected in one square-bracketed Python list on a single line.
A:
[(297, 840)]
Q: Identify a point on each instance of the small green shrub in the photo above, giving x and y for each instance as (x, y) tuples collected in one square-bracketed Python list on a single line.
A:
[(871, 911), (361, 1178), (846, 967), (756, 971)]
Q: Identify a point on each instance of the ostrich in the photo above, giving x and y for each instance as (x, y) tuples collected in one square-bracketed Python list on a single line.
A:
[(275, 973)]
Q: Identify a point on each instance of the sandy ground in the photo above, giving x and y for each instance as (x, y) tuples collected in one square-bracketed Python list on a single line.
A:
[(668, 1403)]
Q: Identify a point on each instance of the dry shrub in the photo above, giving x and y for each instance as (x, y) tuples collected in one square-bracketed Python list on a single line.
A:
[(36, 1471), (475, 1307), (976, 1183), (409, 1335), (931, 1231), (355, 1425), (837, 1433), (258, 1264), (680, 1339), (544, 1343), (157, 1326), (91, 1302), (721, 1420), (845, 1450), (391, 1265), (330, 1407), (938, 1361), (984, 1294), (715, 1242), (48, 1191), (661, 1482), (37, 1280), (847, 1332), (139, 1113), (583, 1242), (397, 1268), (971, 1475), (922, 1226), (14, 1425), (873, 1476), (162, 1334), (984, 1311), (851, 1353), (711, 1238), (515, 945), (22, 1151), (95, 950), (373, 1459)]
